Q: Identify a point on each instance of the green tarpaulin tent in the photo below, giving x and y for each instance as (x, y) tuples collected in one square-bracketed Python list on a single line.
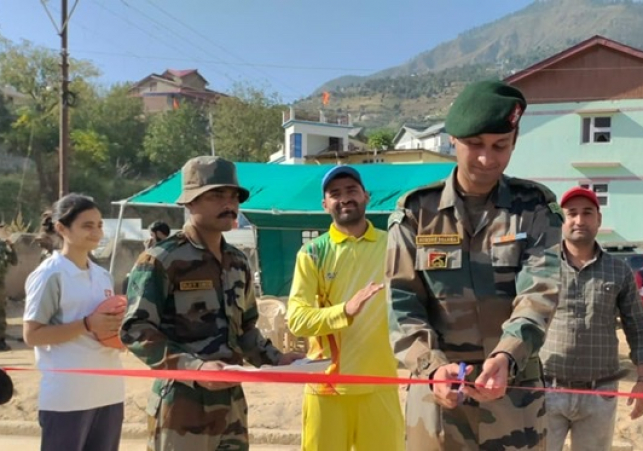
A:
[(285, 202)]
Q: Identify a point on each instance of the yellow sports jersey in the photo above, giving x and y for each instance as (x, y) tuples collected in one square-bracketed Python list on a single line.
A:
[(330, 269)]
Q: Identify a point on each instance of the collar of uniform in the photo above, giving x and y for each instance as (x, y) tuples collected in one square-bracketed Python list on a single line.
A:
[(449, 194), (192, 235), (340, 237), (70, 267), (501, 195)]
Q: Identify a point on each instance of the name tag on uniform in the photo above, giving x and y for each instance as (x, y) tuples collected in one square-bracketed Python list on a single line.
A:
[(437, 240), (437, 260), (510, 238), (192, 285)]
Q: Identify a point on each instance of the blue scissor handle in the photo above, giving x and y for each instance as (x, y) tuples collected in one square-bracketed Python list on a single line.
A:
[(462, 373)]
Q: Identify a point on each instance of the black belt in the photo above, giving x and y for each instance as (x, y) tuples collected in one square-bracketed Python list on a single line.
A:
[(585, 385)]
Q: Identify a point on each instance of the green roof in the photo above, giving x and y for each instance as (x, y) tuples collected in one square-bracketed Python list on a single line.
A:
[(285, 200), (282, 189)]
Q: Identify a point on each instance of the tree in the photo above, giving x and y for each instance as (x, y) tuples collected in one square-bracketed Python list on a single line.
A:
[(247, 125), (175, 136), (6, 117), (119, 118), (381, 139), (34, 71)]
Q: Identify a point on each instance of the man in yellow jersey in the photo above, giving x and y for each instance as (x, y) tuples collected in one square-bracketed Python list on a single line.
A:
[(337, 300)]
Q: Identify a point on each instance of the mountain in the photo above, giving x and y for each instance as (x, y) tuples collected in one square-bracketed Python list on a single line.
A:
[(510, 43)]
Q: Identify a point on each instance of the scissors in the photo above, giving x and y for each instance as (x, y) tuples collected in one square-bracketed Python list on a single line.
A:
[(462, 373)]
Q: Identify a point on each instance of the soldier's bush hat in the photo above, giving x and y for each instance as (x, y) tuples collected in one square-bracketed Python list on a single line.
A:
[(485, 107), (201, 174)]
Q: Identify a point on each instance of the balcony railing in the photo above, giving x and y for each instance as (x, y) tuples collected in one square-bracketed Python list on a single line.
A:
[(321, 117)]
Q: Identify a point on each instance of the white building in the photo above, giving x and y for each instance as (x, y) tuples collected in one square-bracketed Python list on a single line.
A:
[(433, 138), (307, 136)]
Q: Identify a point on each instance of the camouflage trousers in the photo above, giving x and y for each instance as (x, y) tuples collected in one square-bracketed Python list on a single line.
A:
[(3, 314), (515, 422), (185, 418)]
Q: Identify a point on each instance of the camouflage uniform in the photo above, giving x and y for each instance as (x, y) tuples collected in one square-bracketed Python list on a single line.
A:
[(468, 281), (186, 307), (7, 257)]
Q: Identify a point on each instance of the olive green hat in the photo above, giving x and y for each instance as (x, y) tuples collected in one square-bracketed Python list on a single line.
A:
[(485, 107), (201, 174)]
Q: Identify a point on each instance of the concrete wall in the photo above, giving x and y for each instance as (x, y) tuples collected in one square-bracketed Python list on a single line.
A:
[(550, 151), (127, 253), (409, 141), (314, 137), (29, 258), (437, 143), (12, 163), (154, 104)]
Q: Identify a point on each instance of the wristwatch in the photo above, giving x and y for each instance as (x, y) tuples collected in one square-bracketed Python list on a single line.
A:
[(513, 366)]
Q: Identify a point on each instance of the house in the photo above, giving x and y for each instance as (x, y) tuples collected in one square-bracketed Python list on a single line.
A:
[(13, 97), (584, 127), (433, 138), (168, 90), (331, 138)]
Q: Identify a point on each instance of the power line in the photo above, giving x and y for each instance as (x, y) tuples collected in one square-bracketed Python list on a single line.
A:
[(225, 63), (169, 44), (100, 35), (179, 35), (243, 63), (208, 39)]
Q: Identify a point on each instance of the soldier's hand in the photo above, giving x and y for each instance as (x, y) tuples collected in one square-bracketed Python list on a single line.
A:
[(289, 357), (359, 300), (443, 393), (637, 411), (491, 384), (215, 365)]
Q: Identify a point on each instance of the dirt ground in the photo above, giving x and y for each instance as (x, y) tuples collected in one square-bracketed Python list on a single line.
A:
[(274, 407), (33, 444)]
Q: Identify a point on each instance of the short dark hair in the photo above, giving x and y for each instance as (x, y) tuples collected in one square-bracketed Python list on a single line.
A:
[(160, 226), (67, 208)]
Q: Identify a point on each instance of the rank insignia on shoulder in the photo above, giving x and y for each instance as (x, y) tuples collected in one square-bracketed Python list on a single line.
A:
[(437, 260), (437, 240), (193, 285)]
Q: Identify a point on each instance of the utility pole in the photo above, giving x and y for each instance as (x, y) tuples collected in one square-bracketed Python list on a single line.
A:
[(63, 146), (211, 132)]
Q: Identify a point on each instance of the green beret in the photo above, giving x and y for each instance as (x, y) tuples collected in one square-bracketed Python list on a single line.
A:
[(485, 107)]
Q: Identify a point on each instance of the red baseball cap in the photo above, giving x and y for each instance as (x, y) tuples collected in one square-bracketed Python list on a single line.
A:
[(577, 191)]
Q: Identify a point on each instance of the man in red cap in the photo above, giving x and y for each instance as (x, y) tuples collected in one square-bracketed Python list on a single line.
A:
[(581, 348)]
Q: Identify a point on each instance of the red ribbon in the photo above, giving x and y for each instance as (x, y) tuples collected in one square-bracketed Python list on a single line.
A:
[(287, 377)]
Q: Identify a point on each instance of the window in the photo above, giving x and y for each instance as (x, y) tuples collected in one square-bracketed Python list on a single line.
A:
[(307, 235), (373, 160), (601, 190), (597, 129), (295, 145)]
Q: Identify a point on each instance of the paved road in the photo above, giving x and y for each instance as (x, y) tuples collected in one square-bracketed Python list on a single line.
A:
[(15, 443)]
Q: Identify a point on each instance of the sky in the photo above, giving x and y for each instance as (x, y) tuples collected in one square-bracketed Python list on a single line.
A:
[(288, 46)]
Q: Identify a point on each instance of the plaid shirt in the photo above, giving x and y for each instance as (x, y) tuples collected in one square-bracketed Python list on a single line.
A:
[(581, 344)]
